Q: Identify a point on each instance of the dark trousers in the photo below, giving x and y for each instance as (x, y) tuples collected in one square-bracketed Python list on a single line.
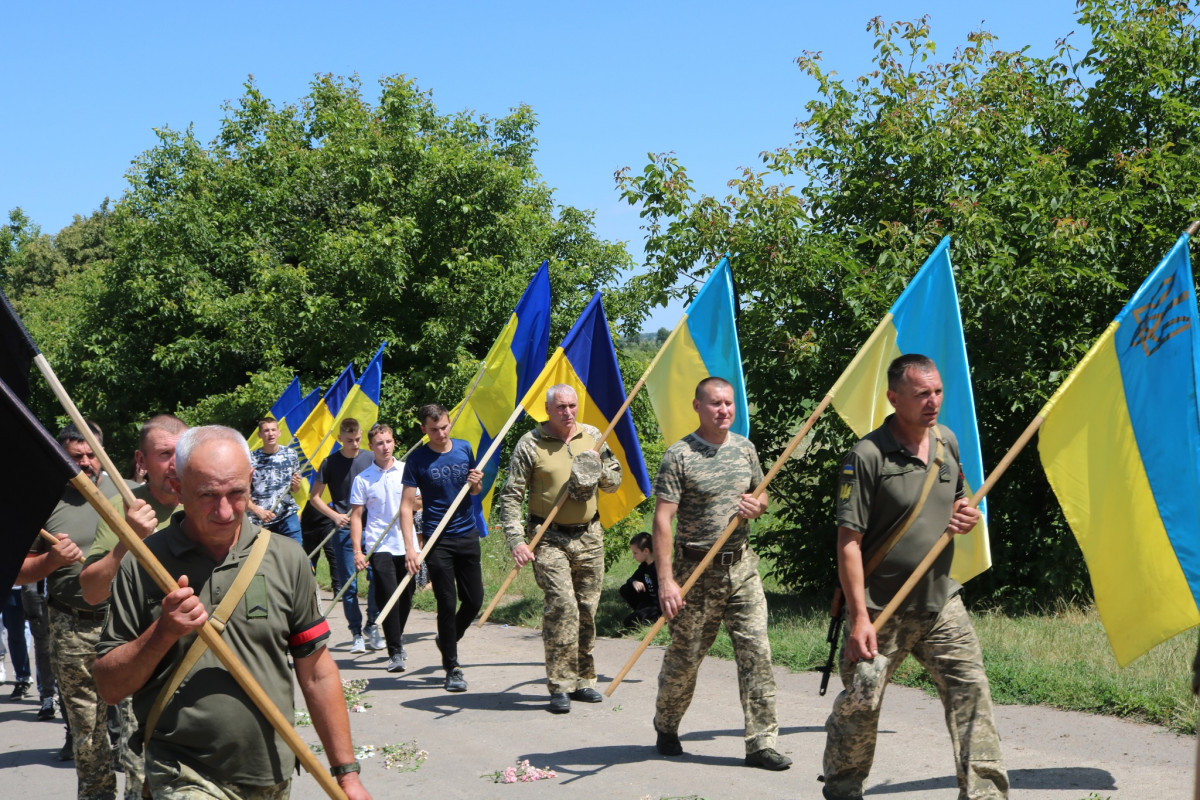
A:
[(456, 574), (388, 572), (313, 534)]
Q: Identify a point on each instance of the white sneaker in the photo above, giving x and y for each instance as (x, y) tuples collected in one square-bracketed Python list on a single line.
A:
[(3, 673), (359, 645), (375, 638)]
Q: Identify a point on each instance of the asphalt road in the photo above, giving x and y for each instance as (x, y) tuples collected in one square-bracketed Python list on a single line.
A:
[(607, 750)]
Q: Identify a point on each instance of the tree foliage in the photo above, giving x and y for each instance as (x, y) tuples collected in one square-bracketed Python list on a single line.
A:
[(1062, 183), (298, 239)]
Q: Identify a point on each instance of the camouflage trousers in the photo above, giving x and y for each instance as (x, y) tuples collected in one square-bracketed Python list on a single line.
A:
[(73, 651), (733, 595), (131, 762), (945, 644), (570, 570), (172, 781)]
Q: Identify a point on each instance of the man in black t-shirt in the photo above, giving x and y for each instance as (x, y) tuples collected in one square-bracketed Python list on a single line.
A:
[(337, 473)]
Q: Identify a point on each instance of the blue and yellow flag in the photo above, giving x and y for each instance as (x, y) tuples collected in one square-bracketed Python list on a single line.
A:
[(705, 342), (297, 414), (587, 362), (290, 397), (924, 319), (510, 368), (313, 436), (1121, 447), (362, 402)]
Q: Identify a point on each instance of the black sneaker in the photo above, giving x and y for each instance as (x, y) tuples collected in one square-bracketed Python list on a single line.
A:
[(587, 695), (455, 682), (47, 709), (560, 703), (20, 690), (668, 744), (768, 759)]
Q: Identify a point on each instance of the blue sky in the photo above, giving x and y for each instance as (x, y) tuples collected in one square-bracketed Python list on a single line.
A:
[(85, 84)]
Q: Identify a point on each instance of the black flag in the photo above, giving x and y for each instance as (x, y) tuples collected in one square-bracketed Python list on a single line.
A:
[(30, 486), (17, 350)]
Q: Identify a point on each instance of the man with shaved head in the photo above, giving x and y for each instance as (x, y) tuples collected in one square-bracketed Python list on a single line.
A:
[(203, 738)]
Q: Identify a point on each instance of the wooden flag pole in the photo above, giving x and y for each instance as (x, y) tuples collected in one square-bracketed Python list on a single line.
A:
[(383, 612), (720, 542), (708, 558), (84, 429), (354, 578), (211, 637), (562, 495), (948, 537), (317, 549), (53, 540)]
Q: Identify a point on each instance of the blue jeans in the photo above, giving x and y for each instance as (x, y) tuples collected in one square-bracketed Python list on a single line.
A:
[(343, 572), (289, 526), (14, 622)]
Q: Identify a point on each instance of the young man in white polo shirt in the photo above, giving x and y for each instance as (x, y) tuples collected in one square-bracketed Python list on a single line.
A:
[(377, 491)]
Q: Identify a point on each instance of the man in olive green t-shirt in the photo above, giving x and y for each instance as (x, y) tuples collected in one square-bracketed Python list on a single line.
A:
[(209, 740), (881, 481)]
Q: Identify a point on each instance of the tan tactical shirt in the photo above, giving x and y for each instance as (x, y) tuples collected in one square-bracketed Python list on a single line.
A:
[(541, 467)]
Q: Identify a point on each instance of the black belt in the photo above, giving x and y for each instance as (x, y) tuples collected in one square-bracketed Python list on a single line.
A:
[(569, 530), (723, 558), (78, 612)]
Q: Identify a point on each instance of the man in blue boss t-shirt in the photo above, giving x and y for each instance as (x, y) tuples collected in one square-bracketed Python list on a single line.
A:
[(438, 471)]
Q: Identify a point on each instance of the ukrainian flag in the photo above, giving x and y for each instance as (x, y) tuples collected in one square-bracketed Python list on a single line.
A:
[(362, 402), (704, 343), (313, 436), (297, 414), (925, 320), (1121, 448), (587, 362), (290, 397), (510, 368)]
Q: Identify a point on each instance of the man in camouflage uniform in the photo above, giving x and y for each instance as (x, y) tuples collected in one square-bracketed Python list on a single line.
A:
[(881, 481), (75, 624), (706, 479), (154, 502), (569, 561)]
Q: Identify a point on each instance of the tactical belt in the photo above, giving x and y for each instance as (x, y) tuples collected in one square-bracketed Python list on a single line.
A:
[(569, 530), (92, 616), (216, 621), (723, 558)]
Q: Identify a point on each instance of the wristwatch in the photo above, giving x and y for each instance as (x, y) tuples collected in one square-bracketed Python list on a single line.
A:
[(343, 769)]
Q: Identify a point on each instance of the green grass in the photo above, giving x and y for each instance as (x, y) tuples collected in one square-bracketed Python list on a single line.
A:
[(1059, 659)]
